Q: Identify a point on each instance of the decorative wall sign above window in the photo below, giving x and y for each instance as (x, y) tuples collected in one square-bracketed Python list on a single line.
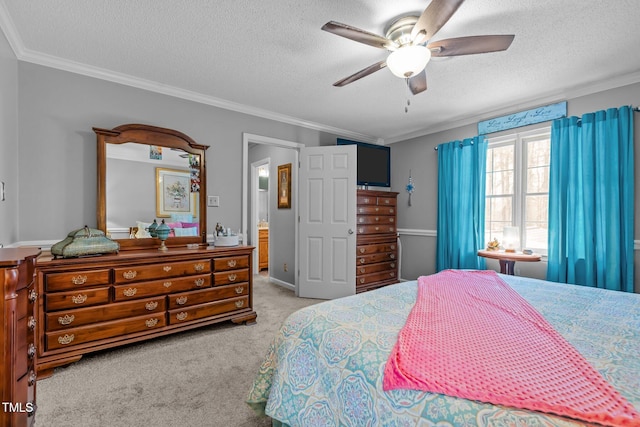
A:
[(523, 118)]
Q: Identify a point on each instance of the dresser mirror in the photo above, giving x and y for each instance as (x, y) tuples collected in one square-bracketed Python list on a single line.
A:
[(146, 173)]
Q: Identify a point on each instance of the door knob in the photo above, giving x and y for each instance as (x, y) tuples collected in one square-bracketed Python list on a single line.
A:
[(350, 231)]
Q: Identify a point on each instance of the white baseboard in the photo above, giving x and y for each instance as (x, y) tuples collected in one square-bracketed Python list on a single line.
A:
[(282, 283)]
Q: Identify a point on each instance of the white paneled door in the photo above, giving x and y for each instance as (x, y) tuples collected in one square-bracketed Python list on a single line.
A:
[(327, 203)]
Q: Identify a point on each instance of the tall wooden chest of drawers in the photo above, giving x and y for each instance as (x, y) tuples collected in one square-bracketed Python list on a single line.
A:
[(90, 304), (18, 318), (377, 240)]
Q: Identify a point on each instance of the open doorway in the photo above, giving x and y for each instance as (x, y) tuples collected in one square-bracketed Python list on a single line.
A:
[(260, 196), (282, 223)]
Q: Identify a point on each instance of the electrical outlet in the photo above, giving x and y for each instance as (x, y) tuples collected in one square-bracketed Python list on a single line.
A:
[(213, 201), (285, 267)]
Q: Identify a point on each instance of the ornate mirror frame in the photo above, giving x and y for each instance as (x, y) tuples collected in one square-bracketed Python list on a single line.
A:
[(149, 135)]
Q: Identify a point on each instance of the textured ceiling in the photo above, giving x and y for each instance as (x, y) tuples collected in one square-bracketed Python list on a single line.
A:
[(270, 58)]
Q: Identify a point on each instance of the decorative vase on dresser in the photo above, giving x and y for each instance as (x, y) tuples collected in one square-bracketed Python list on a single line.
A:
[(377, 240), (18, 316), (95, 303)]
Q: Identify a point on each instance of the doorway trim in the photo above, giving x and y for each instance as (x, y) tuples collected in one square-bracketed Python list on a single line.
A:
[(248, 138)]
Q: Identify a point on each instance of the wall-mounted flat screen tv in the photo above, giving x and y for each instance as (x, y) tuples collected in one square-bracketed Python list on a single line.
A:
[(374, 163)]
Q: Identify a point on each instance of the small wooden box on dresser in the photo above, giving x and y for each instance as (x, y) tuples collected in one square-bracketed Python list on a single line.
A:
[(18, 317), (377, 240), (95, 303)]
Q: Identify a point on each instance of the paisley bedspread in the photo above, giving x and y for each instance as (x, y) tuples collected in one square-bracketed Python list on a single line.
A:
[(325, 366)]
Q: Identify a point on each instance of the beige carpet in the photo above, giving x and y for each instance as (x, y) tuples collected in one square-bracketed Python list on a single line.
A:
[(195, 378)]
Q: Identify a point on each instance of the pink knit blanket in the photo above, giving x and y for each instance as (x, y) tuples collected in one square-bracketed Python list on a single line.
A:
[(470, 335)]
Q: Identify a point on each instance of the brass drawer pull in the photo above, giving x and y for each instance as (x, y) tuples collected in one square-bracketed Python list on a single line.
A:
[(31, 323), (151, 305), (362, 250), (181, 300), (239, 304), (391, 219), (392, 256), (377, 219), (393, 247), (377, 209), (151, 322), (362, 280), (366, 200), (198, 267), (393, 265), (79, 299), (167, 284), (66, 319), (392, 274), (363, 270), (391, 211), (129, 292), (377, 228), (360, 230), (232, 277), (232, 263), (32, 378), (362, 260), (181, 316), (79, 280), (131, 274), (31, 351), (239, 290), (66, 339), (167, 268), (199, 282), (386, 201), (33, 295)]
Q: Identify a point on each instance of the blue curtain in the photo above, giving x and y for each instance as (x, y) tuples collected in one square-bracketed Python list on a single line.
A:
[(591, 200), (461, 199)]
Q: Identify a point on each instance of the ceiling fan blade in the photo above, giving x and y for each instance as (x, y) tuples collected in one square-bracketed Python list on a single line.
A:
[(358, 35), (418, 83), (362, 73), (433, 18), (470, 45)]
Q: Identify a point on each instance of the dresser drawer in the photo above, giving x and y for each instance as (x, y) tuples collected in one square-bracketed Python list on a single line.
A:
[(162, 270), (83, 298), (187, 299), (230, 263), (376, 248), (84, 316), (22, 341), (366, 200), (160, 287), (229, 277), (182, 315), (376, 219), (374, 268), (75, 280), (376, 210), (375, 277), (97, 331), (386, 201), (376, 229), (375, 258)]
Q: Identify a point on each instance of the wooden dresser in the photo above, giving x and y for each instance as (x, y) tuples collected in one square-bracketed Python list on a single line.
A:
[(263, 249), (377, 245), (18, 316), (95, 303)]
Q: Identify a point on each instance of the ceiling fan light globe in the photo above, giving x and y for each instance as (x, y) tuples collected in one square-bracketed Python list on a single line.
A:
[(408, 60)]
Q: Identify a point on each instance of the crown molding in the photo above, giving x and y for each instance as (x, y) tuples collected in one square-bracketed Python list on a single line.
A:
[(27, 55), (576, 92)]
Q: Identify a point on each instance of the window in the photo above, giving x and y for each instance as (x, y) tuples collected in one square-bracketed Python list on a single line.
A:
[(517, 188)]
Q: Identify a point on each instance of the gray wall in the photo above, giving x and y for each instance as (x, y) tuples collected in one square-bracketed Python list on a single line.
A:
[(281, 221), (57, 161), (8, 142), (418, 252)]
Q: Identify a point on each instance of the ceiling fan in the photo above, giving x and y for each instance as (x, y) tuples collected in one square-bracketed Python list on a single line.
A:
[(407, 38)]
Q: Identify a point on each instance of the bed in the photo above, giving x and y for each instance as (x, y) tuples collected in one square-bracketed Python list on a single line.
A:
[(325, 365)]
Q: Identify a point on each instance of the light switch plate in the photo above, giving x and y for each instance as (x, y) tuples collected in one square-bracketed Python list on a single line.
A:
[(213, 201)]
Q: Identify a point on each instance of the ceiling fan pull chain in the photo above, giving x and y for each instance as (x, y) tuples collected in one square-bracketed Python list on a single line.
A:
[(406, 108)]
